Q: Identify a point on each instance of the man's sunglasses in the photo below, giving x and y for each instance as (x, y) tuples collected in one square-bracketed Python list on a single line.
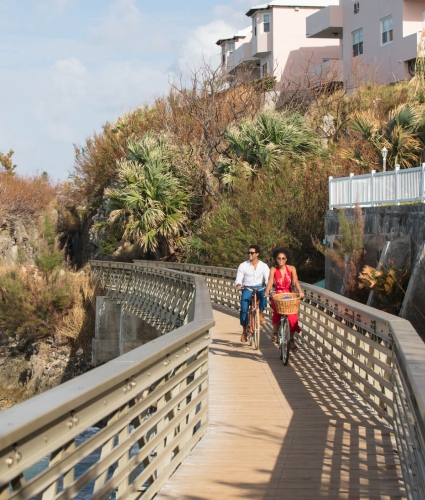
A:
[(251, 253)]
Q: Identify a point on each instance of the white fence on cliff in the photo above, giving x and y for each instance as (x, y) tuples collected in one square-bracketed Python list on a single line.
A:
[(378, 188)]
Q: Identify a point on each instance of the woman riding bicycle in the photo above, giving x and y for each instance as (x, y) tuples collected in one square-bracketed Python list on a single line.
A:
[(284, 278)]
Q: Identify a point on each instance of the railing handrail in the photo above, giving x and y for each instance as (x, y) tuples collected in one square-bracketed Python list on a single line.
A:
[(397, 336), (363, 341), (37, 415), (346, 192)]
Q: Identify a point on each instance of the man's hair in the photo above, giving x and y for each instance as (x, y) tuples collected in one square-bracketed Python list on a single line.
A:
[(255, 247)]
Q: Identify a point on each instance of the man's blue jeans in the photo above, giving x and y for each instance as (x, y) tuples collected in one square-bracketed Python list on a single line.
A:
[(246, 300)]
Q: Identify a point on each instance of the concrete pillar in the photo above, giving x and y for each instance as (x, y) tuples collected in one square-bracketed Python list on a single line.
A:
[(106, 344), (134, 332)]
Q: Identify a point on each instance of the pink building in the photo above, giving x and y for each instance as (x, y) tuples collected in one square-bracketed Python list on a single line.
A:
[(381, 35), (236, 56), (276, 43)]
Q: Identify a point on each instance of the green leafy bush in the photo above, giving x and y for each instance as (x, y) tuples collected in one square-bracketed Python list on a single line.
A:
[(278, 209)]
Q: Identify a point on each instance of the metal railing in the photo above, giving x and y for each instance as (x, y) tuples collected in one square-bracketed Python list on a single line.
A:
[(153, 400), (378, 188), (379, 356), (120, 430)]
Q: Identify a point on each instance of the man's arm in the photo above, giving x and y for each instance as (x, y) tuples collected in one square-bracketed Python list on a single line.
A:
[(239, 277)]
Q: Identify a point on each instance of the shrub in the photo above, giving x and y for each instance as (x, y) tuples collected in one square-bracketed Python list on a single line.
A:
[(25, 196), (29, 304), (388, 282), (281, 209), (78, 323)]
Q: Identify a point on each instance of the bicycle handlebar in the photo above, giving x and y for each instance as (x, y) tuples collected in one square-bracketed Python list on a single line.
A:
[(272, 292), (259, 289)]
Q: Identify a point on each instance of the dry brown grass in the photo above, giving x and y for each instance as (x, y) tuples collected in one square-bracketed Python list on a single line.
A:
[(79, 322), (23, 196)]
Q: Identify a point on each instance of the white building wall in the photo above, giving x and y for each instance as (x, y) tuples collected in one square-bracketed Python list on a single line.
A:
[(379, 62), (285, 49), (292, 51)]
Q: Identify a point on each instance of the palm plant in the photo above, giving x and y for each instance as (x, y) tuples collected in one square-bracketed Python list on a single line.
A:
[(388, 282), (263, 143), (149, 203), (403, 134)]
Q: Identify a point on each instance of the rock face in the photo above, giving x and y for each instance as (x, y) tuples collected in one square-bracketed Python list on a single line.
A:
[(28, 369), (17, 240)]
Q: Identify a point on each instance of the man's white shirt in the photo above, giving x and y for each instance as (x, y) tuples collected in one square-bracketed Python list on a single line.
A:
[(248, 276)]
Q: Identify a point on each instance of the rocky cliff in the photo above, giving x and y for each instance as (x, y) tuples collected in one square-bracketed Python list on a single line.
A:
[(18, 238), (30, 368)]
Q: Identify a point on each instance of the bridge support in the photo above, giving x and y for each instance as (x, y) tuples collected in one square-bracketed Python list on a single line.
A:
[(134, 332), (117, 331), (106, 344)]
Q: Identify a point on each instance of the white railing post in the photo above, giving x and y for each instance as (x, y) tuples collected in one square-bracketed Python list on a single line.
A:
[(351, 190), (397, 177), (422, 183), (330, 192), (372, 187)]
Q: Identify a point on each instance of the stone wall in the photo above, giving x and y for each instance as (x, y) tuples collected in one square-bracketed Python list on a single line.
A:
[(18, 238), (382, 224), (390, 233)]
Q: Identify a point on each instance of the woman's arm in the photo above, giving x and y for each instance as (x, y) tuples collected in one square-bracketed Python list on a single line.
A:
[(270, 282), (295, 281)]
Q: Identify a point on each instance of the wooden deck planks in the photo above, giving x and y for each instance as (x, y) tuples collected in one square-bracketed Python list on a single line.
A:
[(278, 432)]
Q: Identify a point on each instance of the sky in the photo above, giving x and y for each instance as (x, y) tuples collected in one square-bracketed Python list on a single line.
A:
[(68, 66)]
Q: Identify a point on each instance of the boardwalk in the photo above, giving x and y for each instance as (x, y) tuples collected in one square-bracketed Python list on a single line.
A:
[(280, 432)]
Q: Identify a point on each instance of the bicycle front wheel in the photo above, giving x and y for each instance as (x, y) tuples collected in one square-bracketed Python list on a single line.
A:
[(250, 327), (257, 329), (284, 346)]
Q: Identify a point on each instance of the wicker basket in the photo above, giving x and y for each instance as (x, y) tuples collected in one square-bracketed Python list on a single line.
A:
[(287, 303)]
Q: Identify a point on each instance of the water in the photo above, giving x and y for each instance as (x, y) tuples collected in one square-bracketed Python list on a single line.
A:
[(83, 466)]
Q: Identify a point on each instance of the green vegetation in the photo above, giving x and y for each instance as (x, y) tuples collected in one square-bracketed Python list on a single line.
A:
[(6, 161), (32, 298), (403, 134), (45, 298), (205, 171), (149, 204), (265, 143), (347, 252), (389, 284)]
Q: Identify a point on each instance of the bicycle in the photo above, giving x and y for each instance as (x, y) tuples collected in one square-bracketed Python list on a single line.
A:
[(253, 327), (288, 304)]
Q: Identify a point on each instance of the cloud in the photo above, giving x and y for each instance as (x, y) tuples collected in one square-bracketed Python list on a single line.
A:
[(200, 45), (51, 6), (56, 88), (120, 25), (234, 13)]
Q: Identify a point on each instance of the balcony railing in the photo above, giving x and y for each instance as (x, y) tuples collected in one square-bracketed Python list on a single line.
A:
[(378, 188)]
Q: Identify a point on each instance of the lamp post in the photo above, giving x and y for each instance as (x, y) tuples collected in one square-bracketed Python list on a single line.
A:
[(384, 152)]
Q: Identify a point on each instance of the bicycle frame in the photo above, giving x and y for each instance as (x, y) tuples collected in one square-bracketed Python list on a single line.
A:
[(253, 327), (283, 338)]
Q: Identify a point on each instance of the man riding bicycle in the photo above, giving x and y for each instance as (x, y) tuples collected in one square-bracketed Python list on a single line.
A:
[(252, 273)]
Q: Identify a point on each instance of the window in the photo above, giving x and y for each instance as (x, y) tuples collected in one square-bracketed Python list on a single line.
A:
[(255, 26), (357, 42), (231, 47), (265, 70), (266, 23), (387, 30), (223, 54)]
